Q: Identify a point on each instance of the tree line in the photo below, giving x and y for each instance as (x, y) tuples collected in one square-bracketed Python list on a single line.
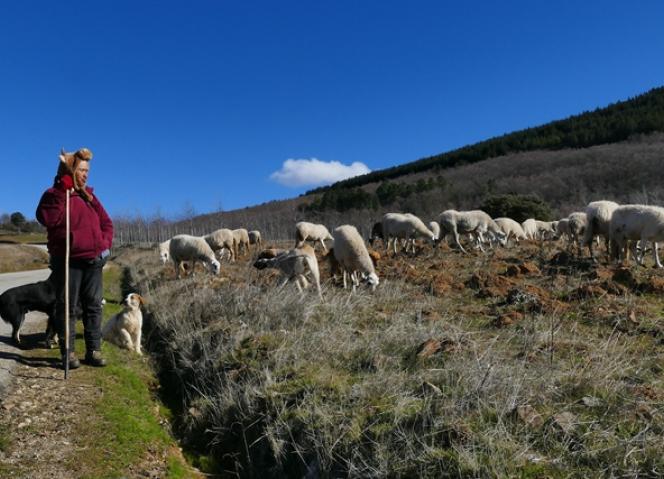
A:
[(617, 122)]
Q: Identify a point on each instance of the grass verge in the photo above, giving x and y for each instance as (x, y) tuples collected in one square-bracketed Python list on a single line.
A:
[(118, 422)]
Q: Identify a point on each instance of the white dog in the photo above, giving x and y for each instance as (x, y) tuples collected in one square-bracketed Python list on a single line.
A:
[(124, 329)]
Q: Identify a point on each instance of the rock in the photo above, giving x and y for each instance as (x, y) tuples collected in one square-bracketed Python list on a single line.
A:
[(591, 401), (565, 422), (529, 416)]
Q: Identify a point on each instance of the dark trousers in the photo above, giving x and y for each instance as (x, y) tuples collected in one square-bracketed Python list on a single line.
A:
[(86, 291)]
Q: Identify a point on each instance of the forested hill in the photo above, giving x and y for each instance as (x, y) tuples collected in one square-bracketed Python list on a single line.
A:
[(614, 123)]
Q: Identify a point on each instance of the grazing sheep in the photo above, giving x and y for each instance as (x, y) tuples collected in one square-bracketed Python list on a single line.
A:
[(435, 229), (530, 228), (577, 223), (255, 238), (404, 226), (352, 255), (636, 223), (562, 229), (474, 222), (511, 228), (309, 231), (222, 239), (598, 215), (163, 251), (241, 236), (293, 264), (192, 248), (546, 230)]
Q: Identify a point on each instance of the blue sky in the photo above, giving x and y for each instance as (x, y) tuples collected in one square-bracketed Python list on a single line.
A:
[(216, 104)]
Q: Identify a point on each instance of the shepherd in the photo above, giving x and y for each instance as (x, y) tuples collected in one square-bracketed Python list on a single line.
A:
[(77, 254)]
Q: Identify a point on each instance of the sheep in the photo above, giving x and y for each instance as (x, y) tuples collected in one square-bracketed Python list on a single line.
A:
[(404, 226), (293, 264), (475, 222), (255, 238), (577, 221), (530, 228), (435, 229), (546, 230), (192, 248), (163, 251), (309, 231), (352, 255), (637, 223), (598, 215), (562, 229), (511, 228), (241, 236), (222, 239)]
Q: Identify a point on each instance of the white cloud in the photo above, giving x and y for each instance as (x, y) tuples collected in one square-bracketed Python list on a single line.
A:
[(316, 172)]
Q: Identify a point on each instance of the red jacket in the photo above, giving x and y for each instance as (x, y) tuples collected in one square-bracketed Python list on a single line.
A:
[(91, 229)]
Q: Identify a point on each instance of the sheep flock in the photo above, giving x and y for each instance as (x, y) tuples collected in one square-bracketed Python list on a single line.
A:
[(625, 229)]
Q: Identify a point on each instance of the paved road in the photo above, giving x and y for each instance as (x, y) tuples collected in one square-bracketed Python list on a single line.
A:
[(9, 355)]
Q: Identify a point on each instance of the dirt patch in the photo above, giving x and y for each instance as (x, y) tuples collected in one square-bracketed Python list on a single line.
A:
[(490, 285)]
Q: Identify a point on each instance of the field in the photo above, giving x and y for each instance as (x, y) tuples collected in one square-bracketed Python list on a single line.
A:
[(525, 361), (21, 257)]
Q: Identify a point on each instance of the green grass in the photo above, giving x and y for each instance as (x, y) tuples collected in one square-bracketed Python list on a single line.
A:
[(124, 422)]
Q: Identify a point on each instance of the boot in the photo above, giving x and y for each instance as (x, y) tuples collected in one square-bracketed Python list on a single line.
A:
[(74, 363), (94, 358)]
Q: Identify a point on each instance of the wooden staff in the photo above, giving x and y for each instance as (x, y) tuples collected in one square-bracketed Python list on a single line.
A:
[(67, 285)]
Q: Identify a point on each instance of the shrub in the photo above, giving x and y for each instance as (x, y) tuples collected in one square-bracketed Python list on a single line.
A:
[(517, 207)]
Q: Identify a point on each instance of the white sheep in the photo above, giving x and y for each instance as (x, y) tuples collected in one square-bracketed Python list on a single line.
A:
[(577, 223), (530, 228), (310, 231), (546, 230), (163, 248), (352, 255), (435, 229), (598, 215), (474, 222), (404, 226), (636, 223), (241, 236), (293, 264), (222, 239), (255, 238), (511, 228), (194, 249)]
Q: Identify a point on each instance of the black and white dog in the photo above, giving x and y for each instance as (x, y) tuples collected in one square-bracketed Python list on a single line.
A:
[(16, 302)]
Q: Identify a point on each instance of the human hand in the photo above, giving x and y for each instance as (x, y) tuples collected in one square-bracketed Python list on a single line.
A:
[(66, 182)]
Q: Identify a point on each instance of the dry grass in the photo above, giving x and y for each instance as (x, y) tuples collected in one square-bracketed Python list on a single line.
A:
[(19, 257), (520, 362)]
